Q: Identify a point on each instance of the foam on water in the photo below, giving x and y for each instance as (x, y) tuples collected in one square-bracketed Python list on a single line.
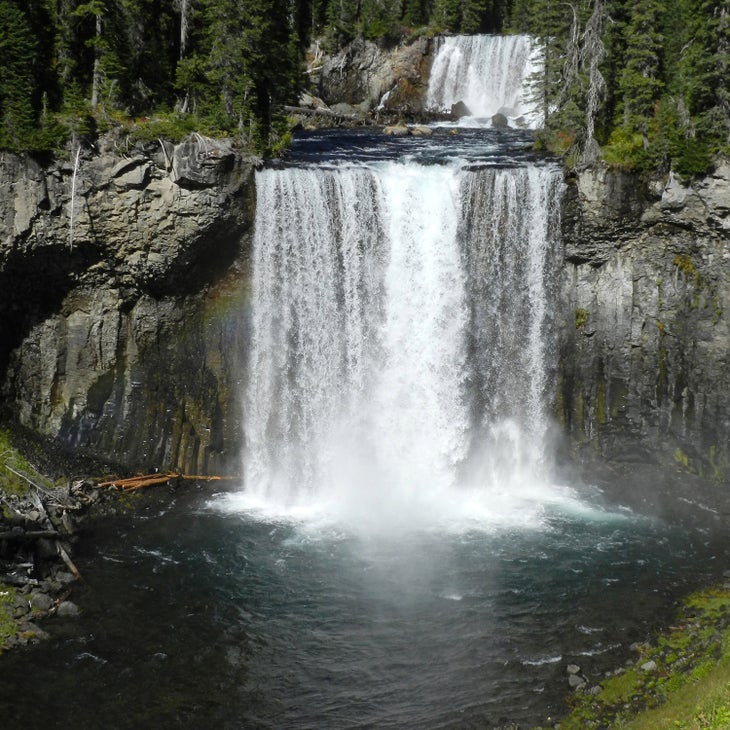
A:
[(489, 74), (401, 352)]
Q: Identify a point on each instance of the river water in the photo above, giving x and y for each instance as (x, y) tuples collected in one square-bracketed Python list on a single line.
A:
[(404, 551)]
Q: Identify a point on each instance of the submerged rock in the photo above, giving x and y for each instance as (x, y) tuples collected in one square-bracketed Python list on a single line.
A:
[(67, 609), (396, 130)]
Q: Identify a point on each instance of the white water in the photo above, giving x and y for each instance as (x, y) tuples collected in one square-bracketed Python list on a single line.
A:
[(401, 345), (489, 73)]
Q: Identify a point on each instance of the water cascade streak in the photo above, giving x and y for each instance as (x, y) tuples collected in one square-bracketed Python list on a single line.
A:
[(489, 73), (511, 258), (399, 322)]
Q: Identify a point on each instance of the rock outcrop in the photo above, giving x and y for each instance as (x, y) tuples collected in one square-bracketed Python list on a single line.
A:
[(646, 336), (124, 334), (369, 77), (121, 315)]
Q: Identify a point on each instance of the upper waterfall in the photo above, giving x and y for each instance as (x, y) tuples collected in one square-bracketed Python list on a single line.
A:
[(489, 73), (400, 337)]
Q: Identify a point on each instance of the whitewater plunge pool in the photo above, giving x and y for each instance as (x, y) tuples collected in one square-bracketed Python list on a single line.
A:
[(403, 553), (197, 617)]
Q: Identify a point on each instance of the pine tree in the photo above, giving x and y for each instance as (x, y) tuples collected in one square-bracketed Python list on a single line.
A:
[(17, 51), (707, 68), (253, 61), (641, 83), (447, 14)]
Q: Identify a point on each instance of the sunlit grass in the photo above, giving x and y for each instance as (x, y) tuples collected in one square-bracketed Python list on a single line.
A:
[(687, 689)]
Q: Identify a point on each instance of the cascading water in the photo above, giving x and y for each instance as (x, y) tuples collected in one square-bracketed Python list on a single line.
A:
[(400, 337), (488, 73), (402, 357)]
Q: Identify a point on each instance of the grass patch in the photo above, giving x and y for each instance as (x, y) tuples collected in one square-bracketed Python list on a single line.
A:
[(686, 688), (12, 459), (8, 626)]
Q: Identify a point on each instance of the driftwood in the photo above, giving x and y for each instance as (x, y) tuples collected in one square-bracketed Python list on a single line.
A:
[(318, 112), (26, 478), (21, 534), (38, 502), (147, 480), (66, 559)]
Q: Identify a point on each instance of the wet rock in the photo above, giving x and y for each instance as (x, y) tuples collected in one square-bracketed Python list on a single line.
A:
[(40, 601), (500, 121), (576, 681), (644, 261), (148, 240), (396, 130), (573, 669), (649, 666), (459, 110), (67, 609), (33, 633), (421, 131)]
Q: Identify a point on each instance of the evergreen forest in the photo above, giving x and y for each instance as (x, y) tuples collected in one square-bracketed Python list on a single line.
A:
[(642, 83)]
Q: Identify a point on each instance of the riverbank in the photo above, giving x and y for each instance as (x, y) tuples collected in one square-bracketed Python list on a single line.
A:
[(41, 520), (680, 678)]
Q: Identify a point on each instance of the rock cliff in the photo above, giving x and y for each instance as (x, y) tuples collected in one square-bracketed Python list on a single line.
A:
[(124, 333), (367, 77), (121, 313), (646, 341)]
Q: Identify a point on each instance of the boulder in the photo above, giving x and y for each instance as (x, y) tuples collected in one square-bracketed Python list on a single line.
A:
[(67, 609), (500, 121), (459, 110), (344, 110), (396, 130), (201, 162)]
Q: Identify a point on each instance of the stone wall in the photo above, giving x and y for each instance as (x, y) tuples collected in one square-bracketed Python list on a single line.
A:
[(646, 307), (123, 335)]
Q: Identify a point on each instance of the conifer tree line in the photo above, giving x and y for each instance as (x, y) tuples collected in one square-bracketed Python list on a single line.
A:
[(643, 83)]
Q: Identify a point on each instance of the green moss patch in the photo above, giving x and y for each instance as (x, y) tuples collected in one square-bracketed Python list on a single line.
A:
[(682, 680), (8, 625)]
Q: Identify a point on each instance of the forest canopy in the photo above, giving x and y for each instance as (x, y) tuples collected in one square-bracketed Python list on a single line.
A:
[(644, 83)]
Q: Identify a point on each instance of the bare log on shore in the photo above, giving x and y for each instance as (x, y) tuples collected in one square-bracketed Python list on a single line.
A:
[(130, 484)]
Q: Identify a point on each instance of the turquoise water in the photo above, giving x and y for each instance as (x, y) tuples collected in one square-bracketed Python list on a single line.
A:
[(195, 617)]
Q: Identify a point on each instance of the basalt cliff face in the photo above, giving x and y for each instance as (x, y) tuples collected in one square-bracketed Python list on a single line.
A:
[(126, 337), (367, 77), (646, 306), (122, 301)]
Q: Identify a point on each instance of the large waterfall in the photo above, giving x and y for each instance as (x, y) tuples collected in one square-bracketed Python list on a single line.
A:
[(489, 73), (401, 337)]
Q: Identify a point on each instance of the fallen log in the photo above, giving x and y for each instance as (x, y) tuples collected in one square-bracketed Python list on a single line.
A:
[(318, 112), (129, 484), (28, 534), (69, 563)]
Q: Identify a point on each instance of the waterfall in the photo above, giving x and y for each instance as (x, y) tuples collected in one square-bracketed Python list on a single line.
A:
[(400, 338), (489, 73)]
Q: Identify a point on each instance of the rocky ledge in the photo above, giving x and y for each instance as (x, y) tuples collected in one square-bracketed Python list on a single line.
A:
[(38, 530), (644, 373), (115, 266)]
